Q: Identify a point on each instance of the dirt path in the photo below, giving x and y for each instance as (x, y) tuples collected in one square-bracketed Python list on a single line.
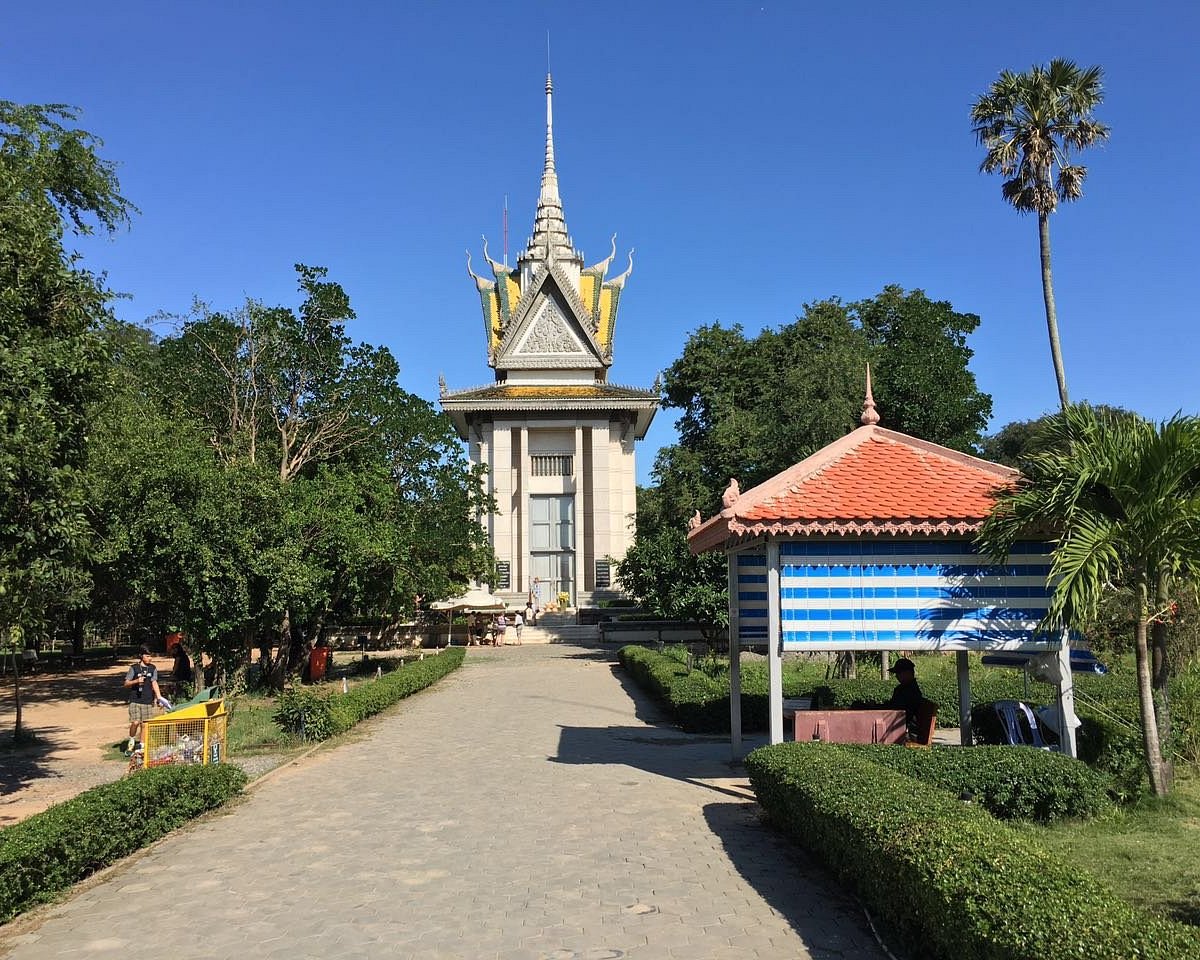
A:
[(76, 717)]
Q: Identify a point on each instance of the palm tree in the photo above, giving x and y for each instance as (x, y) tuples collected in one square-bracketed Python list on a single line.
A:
[(1122, 496), (1030, 123)]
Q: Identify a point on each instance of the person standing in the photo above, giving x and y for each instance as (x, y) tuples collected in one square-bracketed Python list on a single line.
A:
[(182, 672), (141, 681), (518, 624), (529, 615), (535, 597)]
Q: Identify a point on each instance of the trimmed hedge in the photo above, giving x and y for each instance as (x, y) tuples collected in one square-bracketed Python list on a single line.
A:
[(319, 716), (701, 704), (697, 702), (947, 878), (1011, 784), (45, 854)]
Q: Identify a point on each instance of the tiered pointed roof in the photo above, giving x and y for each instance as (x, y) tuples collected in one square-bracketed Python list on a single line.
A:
[(871, 482), (550, 240), (550, 312)]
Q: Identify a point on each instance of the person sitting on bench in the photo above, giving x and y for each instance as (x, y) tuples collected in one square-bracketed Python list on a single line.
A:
[(907, 695)]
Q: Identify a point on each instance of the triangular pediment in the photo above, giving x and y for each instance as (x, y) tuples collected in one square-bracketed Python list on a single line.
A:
[(550, 329)]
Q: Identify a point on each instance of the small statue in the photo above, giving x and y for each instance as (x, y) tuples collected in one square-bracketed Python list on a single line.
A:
[(694, 520), (731, 494)]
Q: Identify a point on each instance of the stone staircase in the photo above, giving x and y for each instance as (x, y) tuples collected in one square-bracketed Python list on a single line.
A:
[(558, 628)]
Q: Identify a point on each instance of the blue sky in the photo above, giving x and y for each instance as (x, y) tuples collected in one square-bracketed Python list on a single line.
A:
[(758, 156)]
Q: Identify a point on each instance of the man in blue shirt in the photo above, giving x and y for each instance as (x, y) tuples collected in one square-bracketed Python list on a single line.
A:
[(141, 681)]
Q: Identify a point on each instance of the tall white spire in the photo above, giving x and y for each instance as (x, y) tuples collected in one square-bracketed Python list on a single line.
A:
[(549, 176), (550, 240)]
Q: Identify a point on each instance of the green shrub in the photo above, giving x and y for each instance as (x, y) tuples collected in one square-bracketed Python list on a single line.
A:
[(45, 854), (305, 712), (319, 716), (1116, 749), (1011, 783), (946, 878), (697, 702), (703, 706)]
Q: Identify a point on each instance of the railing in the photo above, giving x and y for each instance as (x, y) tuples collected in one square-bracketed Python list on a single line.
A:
[(552, 464)]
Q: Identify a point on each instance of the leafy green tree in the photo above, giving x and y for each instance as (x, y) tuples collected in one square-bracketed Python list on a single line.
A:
[(664, 577), (1123, 496), (52, 180), (1015, 441), (750, 407), (281, 479), (1030, 124)]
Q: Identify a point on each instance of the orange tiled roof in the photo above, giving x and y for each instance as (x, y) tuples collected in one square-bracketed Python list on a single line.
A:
[(872, 481)]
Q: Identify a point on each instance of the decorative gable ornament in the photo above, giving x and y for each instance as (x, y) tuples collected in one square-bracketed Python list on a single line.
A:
[(549, 333)]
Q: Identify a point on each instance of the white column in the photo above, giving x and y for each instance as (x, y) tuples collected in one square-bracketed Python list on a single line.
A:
[(485, 457), (1066, 699), (501, 467), (963, 663), (735, 662), (774, 643), (601, 495), (522, 519), (580, 553)]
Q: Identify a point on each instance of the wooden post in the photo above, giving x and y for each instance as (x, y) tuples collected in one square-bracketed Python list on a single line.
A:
[(735, 662), (774, 643), (964, 697)]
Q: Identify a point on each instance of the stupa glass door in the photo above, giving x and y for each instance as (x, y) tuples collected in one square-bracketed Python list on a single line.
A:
[(552, 542)]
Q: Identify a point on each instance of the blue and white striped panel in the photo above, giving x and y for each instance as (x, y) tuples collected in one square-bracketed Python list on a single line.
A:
[(912, 595), (752, 597)]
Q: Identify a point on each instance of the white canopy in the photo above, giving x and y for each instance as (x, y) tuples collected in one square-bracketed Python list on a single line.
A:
[(476, 599)]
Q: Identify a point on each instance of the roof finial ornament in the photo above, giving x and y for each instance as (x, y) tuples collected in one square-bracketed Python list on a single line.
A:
[(442, 384), (497, 268), (620, 281), (869, 416), (480, 283), (731, 494), (694, 520), (603, 265)]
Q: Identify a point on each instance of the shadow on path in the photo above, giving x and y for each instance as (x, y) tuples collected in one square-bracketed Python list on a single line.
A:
[(22, 764), (796, 887), (660, 750)]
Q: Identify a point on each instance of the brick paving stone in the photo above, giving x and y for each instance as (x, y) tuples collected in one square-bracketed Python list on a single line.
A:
[(521, 809)]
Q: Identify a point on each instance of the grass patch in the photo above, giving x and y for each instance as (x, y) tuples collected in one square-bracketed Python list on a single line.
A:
[(252, 727), (1146, 852)]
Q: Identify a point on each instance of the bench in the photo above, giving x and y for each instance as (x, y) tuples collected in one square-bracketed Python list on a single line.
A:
[(851, 726)]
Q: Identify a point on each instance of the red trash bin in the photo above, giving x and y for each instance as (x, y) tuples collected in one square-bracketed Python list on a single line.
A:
[(318, 663)]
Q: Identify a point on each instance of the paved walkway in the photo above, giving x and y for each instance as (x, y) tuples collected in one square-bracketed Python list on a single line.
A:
[(528, 806)]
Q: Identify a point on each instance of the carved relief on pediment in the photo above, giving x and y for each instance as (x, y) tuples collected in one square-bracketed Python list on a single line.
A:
[(550, 332)]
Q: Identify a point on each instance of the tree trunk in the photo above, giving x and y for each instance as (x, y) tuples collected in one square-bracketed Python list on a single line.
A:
[(1160, 675), (1051, 313), (1154, 764), (291, 649), (846, 665), (885, 657), (78, 623)]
